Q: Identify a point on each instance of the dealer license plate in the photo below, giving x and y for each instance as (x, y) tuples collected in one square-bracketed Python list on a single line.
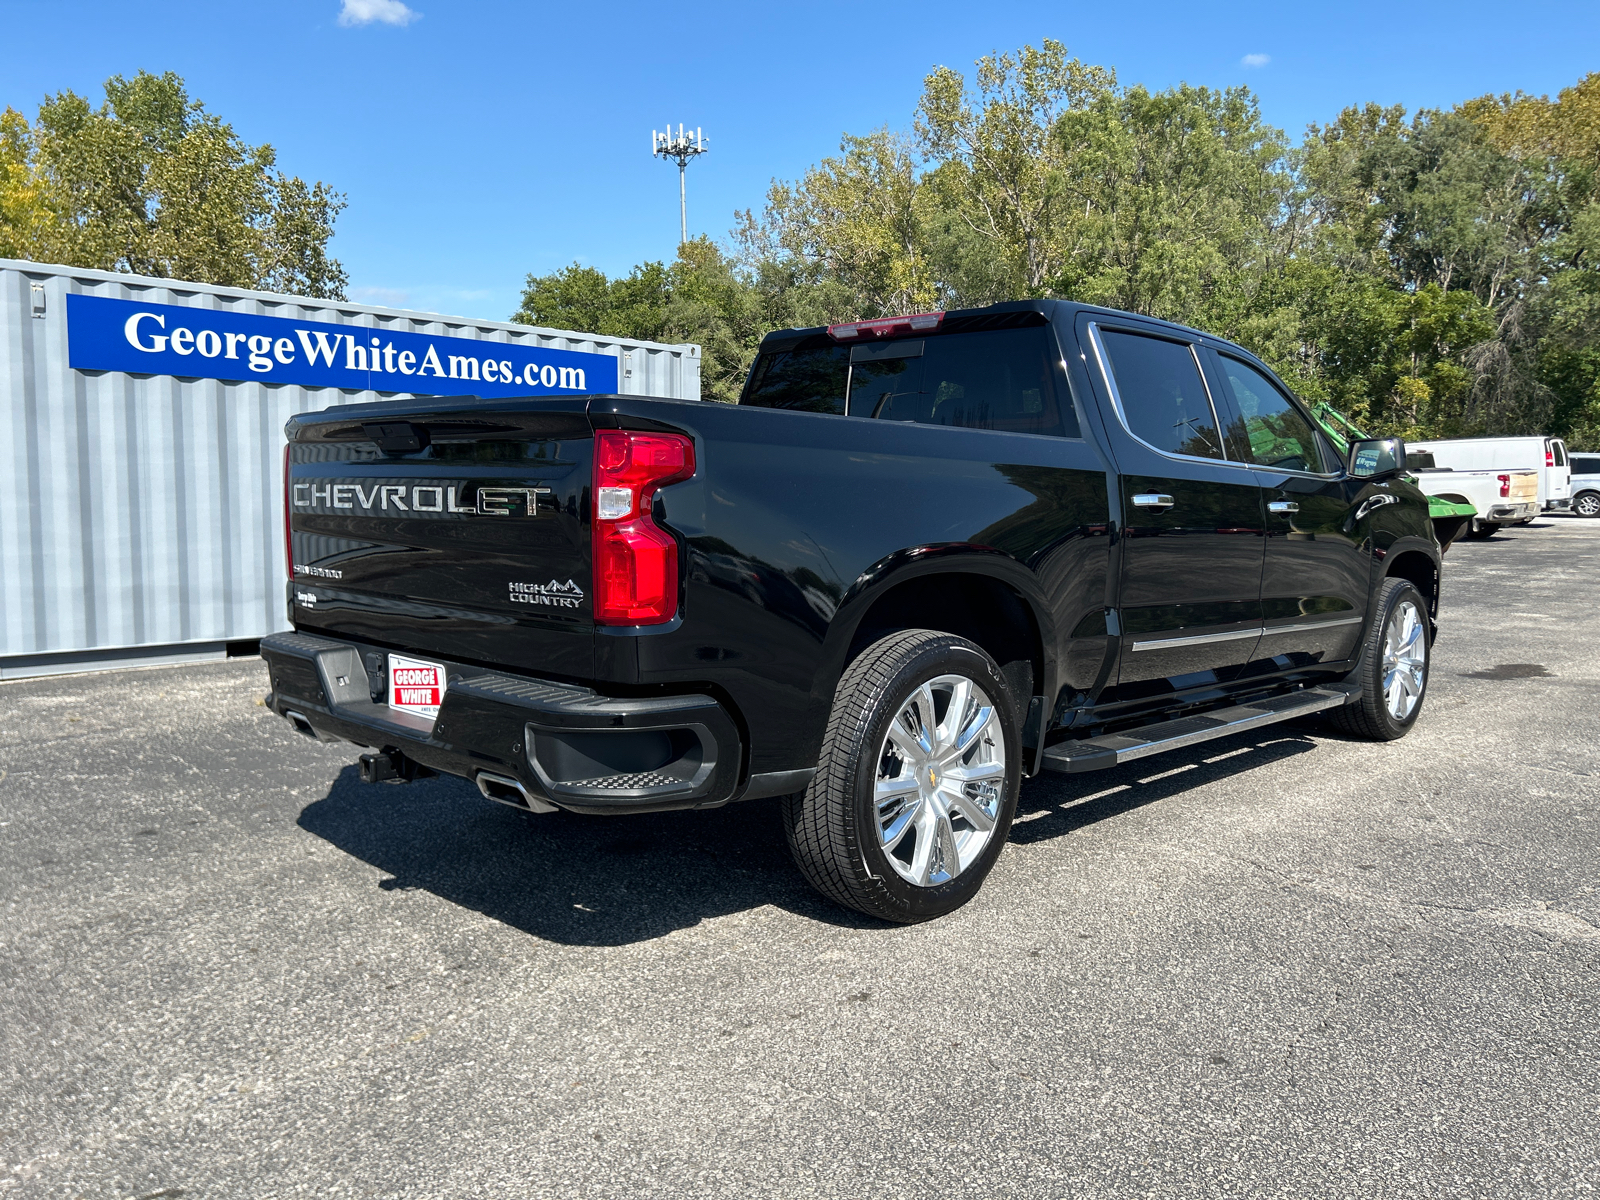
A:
[(415, 686)]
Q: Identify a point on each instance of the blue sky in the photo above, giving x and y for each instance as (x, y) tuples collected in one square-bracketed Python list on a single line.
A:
[(479, 142)]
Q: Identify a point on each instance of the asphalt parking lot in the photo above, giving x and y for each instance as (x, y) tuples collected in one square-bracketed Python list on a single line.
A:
[(1280, 965)]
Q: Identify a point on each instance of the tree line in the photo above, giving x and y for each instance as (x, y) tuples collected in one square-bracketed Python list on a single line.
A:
[(1430, 274)]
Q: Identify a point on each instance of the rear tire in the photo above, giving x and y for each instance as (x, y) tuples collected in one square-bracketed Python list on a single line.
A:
[(1393, 674), (1586, 504), (1482, 529), (913, 798)]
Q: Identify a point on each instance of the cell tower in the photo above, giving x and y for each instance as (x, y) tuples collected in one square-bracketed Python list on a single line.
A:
[(681, 147)]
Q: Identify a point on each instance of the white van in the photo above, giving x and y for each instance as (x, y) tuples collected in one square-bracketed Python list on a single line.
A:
[(1548, 456)]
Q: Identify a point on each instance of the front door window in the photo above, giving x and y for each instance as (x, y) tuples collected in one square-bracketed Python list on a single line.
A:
[(1273, 432)]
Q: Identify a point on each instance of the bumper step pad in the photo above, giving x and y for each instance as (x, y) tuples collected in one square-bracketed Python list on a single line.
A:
[(1113, 749)]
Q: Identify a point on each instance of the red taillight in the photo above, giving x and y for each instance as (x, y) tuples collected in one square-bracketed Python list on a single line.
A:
[(635, 560), (886, 326), (1505, 485), (288, 533), (1549, 456)]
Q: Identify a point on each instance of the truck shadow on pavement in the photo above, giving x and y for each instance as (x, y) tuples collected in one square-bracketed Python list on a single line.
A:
[(592, 881), (609, 881)]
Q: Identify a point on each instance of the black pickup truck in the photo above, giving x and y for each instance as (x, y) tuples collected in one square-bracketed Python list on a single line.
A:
[(922, 558)]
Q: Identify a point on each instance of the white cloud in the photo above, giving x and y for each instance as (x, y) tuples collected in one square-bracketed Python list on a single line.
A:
[(1249, 60), (365, 12), (381, 296)]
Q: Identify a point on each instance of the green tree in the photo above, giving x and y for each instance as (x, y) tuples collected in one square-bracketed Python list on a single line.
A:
[(152, 183), (857, 220), (1557, 143), (1178, 204), (704, 296), (999, 159), (24, 212), (579, 297), (1439, 239)]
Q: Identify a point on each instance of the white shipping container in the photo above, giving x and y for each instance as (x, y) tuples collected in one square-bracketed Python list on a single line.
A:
[(141, 515)]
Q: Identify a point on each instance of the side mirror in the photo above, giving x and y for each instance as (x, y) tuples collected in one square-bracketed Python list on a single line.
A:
[(1377, 458)]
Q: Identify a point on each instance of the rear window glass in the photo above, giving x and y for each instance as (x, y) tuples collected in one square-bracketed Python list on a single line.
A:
[(1163, 397), (886, 379), (1561, 453), (1004, 379), (1582, 465), (810, 378)]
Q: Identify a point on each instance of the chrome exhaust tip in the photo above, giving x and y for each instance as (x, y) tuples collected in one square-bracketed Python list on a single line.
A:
[(300, 723), (503, 789)]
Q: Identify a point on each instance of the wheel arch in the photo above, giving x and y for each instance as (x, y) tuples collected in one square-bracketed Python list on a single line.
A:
[(956, 590), (1420, 569)]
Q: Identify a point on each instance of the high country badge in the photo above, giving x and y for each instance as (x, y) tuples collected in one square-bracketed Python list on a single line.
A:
[(553, 594)]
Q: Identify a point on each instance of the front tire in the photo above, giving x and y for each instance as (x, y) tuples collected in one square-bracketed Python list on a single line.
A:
[(917, 782), (1587, 504), (1393, 674)]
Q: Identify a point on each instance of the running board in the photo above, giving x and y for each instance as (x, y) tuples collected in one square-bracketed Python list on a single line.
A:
[(1113, 749)]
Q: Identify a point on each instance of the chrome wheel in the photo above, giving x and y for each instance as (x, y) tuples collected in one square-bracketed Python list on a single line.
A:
[(941, 778), (1405, 660), (1587, 505)]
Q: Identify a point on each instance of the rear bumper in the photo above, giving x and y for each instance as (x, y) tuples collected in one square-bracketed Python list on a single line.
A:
[(579, 750), (1511, 512), (1559, 505)]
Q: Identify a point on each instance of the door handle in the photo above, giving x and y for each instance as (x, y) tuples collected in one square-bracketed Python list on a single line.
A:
[(1283, 506), (1372, 502), (1155, 501)]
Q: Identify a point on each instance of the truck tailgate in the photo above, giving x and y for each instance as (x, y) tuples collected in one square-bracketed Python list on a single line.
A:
[(459, 535)]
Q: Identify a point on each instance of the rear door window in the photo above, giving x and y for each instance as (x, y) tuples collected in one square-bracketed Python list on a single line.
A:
[(1162, 396), (810, 377), (1004, 379), (1275, 433), (1561, 453)]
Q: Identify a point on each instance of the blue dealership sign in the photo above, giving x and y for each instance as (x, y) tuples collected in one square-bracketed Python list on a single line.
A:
[(104, 334)]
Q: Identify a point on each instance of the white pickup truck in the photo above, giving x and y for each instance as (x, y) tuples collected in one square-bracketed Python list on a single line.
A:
[(1502, 497), (1545, 456)]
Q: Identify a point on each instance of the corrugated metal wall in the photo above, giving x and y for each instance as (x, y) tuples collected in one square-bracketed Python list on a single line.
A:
[(141, 516)]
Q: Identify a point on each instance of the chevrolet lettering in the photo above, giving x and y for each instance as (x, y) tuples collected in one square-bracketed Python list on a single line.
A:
[(923, 558), (420, 498), (510, 502)]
